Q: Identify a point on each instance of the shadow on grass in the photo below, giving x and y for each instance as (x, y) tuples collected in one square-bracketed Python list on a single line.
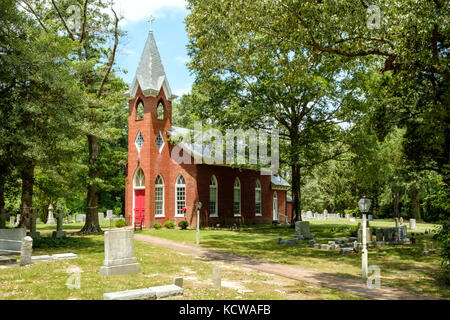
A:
[(71, 242)]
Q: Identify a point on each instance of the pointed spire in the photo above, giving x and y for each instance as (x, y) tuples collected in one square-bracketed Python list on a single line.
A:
[(150, 74)]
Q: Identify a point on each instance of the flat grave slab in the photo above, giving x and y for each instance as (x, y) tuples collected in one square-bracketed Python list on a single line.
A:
[(152, 293), (6, 261)]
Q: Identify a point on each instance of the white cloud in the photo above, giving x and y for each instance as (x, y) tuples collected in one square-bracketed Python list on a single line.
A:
[(180, 92), (182, 59), (136, 10)]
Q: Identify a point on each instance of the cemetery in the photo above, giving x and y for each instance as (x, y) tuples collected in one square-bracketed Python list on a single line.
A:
[(300, 151)]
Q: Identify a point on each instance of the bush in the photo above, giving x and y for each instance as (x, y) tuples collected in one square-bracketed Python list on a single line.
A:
[(120, 223), (183, 224), (169, 224), (157, 225), (444, 237)]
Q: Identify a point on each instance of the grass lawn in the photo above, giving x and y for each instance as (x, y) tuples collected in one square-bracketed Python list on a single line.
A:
[(402, 267), (71, 226), (47, 280)]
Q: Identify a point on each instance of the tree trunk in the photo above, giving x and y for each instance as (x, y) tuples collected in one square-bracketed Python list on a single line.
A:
[(396, 206), (2, 202), (296, 194), (92, 225), (416, 209), (27, 193)]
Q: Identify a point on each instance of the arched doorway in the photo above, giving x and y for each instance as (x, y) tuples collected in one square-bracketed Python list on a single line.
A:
[(139, 197)]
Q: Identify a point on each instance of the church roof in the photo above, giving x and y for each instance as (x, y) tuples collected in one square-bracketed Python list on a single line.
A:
[(278, 181), (150, 74), (197, 150)]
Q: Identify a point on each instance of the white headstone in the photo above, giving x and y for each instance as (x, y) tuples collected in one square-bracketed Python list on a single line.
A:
[(412, 224), (119, 253), (50, 217), (26, 251), (101, 217)]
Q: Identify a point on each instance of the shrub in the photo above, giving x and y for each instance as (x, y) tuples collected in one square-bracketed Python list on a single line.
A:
[(169, 224), (120, 223), (183, 224), (444, 237), (157, 225)]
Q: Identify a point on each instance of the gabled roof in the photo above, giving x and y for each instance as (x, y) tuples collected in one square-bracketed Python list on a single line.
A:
[(198, 150), (279, 182), (150, 74)]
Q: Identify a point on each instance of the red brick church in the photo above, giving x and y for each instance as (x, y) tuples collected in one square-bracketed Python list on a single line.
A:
[(158, 188)]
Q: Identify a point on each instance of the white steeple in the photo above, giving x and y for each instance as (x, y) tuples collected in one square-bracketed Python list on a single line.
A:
[(150, 74)]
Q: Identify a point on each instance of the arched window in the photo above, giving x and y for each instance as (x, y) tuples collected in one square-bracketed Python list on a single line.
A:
[(160, 111), (258, 198), (237, 197), (140, 110), (213, 209), (139, 179), (180, 196), (159, 197)]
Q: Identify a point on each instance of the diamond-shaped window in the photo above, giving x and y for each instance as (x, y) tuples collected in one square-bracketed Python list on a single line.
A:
[(160, 141), (139, 141)]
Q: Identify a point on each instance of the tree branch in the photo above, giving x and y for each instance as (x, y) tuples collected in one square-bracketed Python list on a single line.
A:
[(30, 9), (112, 56), (71, 35), (83, 26)]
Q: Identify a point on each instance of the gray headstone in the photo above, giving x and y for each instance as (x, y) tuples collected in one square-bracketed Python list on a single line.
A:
[(380, 234), (119, 253), (101, 217), (16, 235), (26, 251), (370, 217), (302, 229), (11, 221), (33, 221), (178, 282), (217, 278)]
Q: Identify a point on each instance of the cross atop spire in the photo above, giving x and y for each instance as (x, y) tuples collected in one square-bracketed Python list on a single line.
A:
[(152, 18)]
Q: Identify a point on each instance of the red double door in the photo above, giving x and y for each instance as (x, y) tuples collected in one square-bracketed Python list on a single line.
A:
[(139, 206)]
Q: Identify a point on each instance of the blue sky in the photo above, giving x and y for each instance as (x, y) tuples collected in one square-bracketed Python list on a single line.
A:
[(170, 34)]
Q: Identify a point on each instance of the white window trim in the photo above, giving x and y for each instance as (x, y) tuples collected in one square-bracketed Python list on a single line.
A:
[(240, 197), (176, 200), (258, 188), (163, 198), (136, 142), (134, 179), (163, 144), (275, 197), (216, 214)]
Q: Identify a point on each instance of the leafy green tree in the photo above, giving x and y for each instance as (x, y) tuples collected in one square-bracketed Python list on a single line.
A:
[(95, 35), (249, 78), (40, 99)]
